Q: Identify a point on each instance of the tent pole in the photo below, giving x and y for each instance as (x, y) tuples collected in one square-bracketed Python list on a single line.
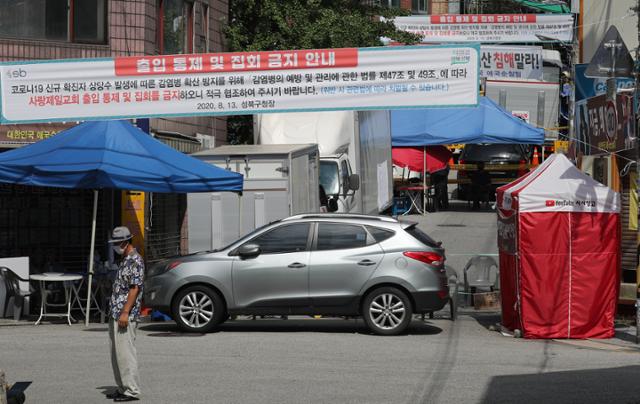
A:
[(93, 244), (239, 215), (424, 180)]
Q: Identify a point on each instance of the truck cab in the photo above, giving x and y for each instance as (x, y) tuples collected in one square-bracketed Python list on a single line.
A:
[(339, 182)]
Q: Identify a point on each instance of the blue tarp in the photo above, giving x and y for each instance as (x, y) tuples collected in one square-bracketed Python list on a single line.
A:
[(486, 123), (112, 154)]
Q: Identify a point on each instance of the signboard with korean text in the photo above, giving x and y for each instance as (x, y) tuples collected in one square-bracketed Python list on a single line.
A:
[(587, 87), (18, 135), (489, 28), (511, 62), (239, 83), (603, 127)]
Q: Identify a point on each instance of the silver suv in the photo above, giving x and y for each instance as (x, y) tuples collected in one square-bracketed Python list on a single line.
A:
[(313, 264)]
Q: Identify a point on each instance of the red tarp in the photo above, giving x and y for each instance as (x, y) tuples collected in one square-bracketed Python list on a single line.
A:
[(559, 242), (413, 158)]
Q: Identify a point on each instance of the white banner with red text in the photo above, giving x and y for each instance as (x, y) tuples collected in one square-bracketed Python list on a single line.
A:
[(511, 62), (239, 83), (489, 28)]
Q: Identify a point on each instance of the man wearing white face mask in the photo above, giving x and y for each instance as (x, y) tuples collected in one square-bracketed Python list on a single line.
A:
[(124, 312)]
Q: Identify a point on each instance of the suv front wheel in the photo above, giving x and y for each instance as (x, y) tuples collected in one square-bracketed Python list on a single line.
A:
[(198, 308), (387, 311)]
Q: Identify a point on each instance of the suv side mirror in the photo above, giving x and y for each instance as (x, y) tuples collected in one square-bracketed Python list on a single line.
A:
[(354, 182), (248, 251)]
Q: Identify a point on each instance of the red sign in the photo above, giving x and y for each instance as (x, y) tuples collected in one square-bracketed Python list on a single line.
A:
[(608, 127), (238, 61)]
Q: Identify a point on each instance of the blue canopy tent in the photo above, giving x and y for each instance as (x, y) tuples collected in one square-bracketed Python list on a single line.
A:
[(111, 154), (486, 123)]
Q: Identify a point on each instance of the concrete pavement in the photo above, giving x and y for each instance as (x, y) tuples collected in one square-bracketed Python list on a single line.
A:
[(321, 361), (332, 360)]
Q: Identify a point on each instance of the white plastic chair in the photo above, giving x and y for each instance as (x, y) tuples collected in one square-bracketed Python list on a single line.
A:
[(480, 272)]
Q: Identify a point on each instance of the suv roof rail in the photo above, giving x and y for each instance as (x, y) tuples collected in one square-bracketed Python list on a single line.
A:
[(341, 216)]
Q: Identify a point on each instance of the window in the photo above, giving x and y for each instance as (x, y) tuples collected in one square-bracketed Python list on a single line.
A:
[(379, 234), (421, 236), (89, 21), (332, 236), (175, 26), (419, 7), (284, 239), (329, 177), (83, 21)]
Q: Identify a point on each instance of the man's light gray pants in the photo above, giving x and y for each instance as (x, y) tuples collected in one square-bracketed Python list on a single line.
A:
[(124, 358)]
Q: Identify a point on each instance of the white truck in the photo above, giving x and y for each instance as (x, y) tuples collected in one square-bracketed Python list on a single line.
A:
[(279, 181), (355, 153)]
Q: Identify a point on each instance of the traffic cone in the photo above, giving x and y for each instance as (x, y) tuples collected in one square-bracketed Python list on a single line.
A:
[(536, 159), (451, 162)]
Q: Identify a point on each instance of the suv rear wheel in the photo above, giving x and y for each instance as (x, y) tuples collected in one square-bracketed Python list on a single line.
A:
[(387, 311), (198, 308)]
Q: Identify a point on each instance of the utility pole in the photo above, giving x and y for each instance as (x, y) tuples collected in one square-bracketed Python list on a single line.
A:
[(637, 78), (573, 142)]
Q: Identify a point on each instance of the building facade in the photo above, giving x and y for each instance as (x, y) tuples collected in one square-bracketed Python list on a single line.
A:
[(70, 29), (421, 6), (595, 18), (51, 226)]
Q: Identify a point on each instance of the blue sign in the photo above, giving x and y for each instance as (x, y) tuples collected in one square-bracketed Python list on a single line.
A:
[(587, 87)]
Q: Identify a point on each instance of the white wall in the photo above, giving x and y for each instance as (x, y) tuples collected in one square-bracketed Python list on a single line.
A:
[(598, 15)]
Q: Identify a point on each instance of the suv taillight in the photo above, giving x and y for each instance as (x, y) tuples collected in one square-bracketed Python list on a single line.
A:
[(429, 258)]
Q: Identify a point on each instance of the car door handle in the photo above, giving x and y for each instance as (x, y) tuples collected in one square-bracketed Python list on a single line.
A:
[(366, 263), (297, 265)]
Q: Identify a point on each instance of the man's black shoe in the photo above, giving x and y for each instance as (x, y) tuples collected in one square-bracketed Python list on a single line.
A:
[(123, 398), (114, 394)]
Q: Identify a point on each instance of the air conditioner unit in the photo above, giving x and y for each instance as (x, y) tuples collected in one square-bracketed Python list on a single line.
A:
[(599, 168)]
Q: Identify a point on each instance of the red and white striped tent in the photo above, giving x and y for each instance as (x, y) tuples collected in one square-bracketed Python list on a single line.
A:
[(559, 242)]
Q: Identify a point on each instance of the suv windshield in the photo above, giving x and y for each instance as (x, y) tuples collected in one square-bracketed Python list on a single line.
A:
[(329, 177), (487, 152), (246, 237)]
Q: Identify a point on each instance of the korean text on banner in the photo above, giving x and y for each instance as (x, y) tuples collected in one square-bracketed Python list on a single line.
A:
[(511, 62), (240, 83), (489, 28)]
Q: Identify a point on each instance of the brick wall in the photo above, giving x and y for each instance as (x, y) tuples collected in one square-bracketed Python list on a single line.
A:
[(439, 7), (405, 4), (132, 31)]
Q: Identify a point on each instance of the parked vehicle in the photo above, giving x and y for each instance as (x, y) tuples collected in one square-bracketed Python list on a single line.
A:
[(514, 158), (312, 264), (279, 181), (355, 153)]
